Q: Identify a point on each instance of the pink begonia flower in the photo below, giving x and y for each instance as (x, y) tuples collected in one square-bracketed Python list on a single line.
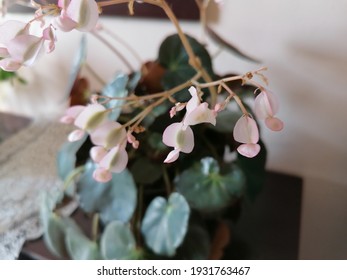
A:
[(265, 107), (97, 153), (77, 14), (114, 161), (87, 119), (179, 135), (246, 132), (21, 48), (71, 114), (108, 134)]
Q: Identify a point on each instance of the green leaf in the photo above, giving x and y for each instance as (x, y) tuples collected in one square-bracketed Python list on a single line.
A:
[(5, 75), (55, 232), (165, 224), (79, 60), (226, 121), (117, 242), (116, 88), (114, 200), (205, 188), (196, 244), (254, 170), (173, 57), (48, 202), (145, 171), (66, 159), (80, 247)]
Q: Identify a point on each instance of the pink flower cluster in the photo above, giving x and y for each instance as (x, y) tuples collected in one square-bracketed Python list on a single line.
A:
[(109, 138), (19, 46)]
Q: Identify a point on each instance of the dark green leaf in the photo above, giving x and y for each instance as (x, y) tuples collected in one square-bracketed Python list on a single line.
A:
[(5, 75), (117, 242), (116, 88), (226, 121), (196, 244), (165, 224), (205, 188), (254, 170), (173, 57), (115, 200), (145, 171)]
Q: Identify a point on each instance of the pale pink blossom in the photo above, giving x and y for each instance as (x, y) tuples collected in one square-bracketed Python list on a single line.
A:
[(115, 160), (265, 107), (19, 47), (71, 113), (86, 118), (132, 140), (109, 134), (246, 132), (97, 153), (77, 14), (180, 137)]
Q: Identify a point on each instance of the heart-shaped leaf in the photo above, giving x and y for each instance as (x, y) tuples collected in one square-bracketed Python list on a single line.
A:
[(173, 57), (145, 171), (66, 159), (205, 188), (114, 200), (116, 89), (55, 233), (165, 224), (117, 242), (80, 247), (196, 244)]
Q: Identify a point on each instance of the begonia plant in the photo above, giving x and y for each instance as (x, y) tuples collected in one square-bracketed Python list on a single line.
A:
[(158, 160)]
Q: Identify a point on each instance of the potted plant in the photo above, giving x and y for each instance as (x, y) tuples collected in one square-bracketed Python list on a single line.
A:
[(161, 156)]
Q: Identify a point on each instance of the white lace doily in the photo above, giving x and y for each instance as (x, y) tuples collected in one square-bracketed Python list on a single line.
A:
[(27, 168)]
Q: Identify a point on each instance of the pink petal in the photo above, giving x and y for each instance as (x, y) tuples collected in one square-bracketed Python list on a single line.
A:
[(25, 48), (246, 130), (194, 101), (10, 29), (116, 160), (97, 153), (176, 136), (274, 124), (91, 117), (249, 150), (76, 135), (71, 113), (64, 22), (49, 36), (109, 134), (102, 175), (201, 114), (265, 105), (4, 52), (84, 12), (172, 156), (8, 64)]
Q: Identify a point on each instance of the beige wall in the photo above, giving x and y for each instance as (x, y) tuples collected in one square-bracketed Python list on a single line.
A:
[(304, 45)]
